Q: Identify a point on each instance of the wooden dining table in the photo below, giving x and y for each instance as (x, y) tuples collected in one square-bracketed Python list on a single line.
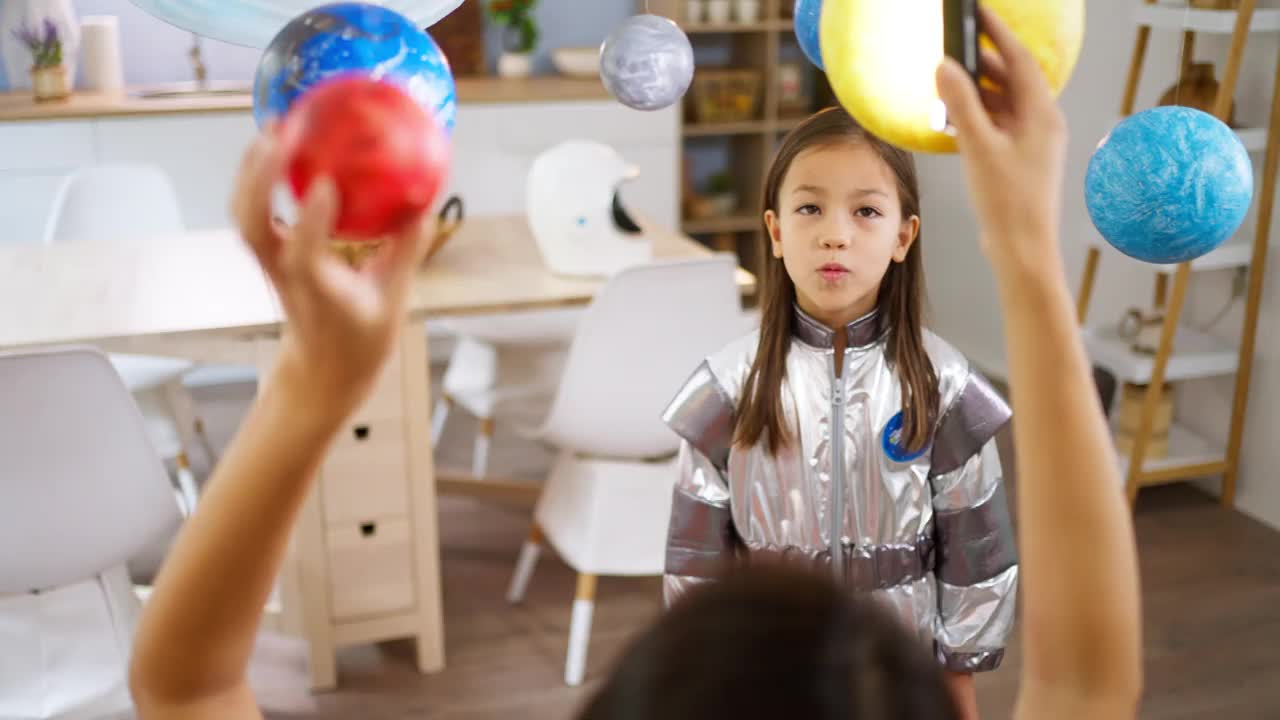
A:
[(364, 561)]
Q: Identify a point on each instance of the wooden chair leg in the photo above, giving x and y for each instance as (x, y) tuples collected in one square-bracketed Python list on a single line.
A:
[(438, 418), (529, 554), (584, 605), (182, 410), (205, 443), (187, 484), (480, 454)]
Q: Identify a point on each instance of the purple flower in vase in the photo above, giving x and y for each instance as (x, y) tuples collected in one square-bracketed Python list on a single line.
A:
[(46, 49), (27, 36)]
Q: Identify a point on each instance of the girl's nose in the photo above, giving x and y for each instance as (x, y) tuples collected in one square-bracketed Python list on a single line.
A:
[(835, 239)]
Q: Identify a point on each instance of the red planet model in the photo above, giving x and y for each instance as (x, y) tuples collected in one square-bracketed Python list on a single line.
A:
[(387, 156)]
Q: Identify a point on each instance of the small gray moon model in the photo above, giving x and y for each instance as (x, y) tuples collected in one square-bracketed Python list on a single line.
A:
[(647, 63)]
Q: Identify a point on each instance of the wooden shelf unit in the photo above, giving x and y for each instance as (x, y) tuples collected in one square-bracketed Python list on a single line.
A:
[(1185, 355), (1177, 16), (756, 46)]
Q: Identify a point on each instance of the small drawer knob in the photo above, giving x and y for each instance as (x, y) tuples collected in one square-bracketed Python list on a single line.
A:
[(362, 432), (368, 529)]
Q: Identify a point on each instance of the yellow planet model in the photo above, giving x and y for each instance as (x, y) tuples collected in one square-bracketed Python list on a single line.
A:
[(881, 57)]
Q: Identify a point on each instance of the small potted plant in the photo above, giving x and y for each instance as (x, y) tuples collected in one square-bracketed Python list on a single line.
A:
[(49, 77), (519, 35), (720, 193)]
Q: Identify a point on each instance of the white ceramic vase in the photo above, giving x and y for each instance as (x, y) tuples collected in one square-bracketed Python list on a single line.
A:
[(719, 12), (515, 65), (694, 11), (31, 13)]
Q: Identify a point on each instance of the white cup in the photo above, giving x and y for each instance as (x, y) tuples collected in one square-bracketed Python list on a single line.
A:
[(747, 11), (719, 11), (693, 10)]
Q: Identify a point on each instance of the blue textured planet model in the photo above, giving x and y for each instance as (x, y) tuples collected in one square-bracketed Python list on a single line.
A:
[(808, 14), (342, 38), (1169, 184)]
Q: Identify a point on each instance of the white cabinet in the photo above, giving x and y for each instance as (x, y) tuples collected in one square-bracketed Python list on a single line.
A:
[(484, 175), (494, 146), (34, 157), (26, 200), (42, 146), (200, 153)]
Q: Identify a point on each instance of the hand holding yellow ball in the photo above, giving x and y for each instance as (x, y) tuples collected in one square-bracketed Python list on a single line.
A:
[(881, 57)]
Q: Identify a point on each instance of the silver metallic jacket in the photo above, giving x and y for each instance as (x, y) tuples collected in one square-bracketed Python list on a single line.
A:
[(929, 532)]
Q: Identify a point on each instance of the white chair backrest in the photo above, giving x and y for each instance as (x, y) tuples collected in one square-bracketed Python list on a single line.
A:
[(114, 202), (81, 488), (639, 340)]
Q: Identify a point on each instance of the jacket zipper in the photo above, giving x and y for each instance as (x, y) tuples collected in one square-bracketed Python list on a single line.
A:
[(837, 469)]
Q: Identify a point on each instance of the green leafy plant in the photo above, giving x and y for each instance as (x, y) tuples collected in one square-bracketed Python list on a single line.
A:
[(46, 49), (516, 16), (720, 184)]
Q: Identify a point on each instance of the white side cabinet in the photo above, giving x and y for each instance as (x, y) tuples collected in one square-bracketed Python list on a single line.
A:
[(34, 156), (199, 152), (494, 146)]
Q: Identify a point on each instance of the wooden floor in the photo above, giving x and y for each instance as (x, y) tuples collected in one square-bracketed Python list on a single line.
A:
[(1211, 581)]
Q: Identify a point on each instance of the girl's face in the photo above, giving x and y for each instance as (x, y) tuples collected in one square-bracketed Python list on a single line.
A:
[(837, 227)]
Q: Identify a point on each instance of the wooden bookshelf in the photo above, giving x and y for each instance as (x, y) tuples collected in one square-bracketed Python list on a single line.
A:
[(1158, 453)]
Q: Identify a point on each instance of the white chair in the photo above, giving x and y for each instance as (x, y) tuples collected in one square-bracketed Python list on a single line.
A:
[(605, 505), (114, 202), (503, 368), (107, 203), (81, 492)]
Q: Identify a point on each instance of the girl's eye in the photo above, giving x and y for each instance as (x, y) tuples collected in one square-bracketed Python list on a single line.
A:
[(808, 209), (867, 212)]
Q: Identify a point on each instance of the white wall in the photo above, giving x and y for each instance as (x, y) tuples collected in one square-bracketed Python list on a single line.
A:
[(963, 299), (155, 52)]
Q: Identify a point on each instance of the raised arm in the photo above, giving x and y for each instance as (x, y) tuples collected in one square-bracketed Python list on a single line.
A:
[(197, 630), (1079, 584)]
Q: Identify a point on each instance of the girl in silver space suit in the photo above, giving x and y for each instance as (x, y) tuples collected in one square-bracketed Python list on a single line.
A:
[(843, 429)]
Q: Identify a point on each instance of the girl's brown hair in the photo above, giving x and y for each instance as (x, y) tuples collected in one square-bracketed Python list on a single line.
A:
[(774, 641), (900, 302)]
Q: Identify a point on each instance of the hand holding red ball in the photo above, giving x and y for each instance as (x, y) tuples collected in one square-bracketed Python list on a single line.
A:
[(387, 156)]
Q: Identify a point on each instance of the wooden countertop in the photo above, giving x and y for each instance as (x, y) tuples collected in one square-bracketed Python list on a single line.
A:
[(20, 105)]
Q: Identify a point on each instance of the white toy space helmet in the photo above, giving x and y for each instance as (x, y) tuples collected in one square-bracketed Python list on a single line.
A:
[(576, 214)]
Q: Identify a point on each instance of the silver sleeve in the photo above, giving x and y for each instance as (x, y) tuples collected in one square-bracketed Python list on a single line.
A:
[(674, 587), (977, 566), (700, 536)]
